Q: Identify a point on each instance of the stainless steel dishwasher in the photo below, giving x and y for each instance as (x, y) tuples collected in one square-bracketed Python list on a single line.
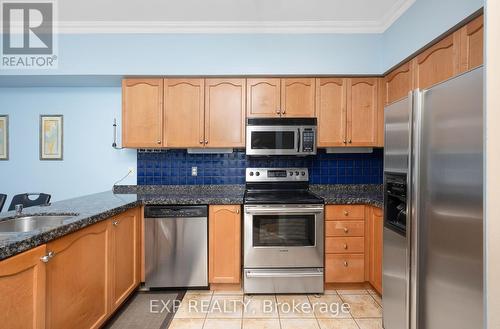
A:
[(176, 244)]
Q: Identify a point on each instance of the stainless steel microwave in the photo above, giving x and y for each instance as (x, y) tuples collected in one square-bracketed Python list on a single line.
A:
[(281, 136)]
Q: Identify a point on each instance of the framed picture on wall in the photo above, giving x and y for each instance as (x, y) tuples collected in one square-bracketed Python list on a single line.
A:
[(51, 137), (4, 137)]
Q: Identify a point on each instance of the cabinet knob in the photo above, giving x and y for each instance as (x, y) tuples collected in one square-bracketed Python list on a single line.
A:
[(201, 141), (158, 142), (115, 223), (346, 213), (206, 141), (47, 257), (346, 264), (345, 141), (278, 111), (345, 246), (350, 141), (237, 211), (346, 230), (284, 111)]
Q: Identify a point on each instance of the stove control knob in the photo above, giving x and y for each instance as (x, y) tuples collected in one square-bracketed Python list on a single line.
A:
[(291, 173), (251, 173), (303, 173), (257, 173), (297, 173)]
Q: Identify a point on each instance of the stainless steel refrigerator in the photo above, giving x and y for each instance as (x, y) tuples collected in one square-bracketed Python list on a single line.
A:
[(433, 218)]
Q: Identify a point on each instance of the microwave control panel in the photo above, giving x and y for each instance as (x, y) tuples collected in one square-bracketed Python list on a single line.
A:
[(308, 140)]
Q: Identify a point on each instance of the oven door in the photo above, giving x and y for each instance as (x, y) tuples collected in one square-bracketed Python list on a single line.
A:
[(273, 140), (283, 236)]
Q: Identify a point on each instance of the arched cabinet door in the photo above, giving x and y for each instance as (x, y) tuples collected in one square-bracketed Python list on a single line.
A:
[(225, 113), (398, 83), (224, 244), (263, 98), (142, 113), (184, 107), (331, 111), (297, 97), (472, 44), (362, 112)]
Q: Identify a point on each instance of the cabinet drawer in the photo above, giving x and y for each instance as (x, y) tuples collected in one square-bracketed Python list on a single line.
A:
[(345, 268), (345, 212), (341, 245), (345, 228)]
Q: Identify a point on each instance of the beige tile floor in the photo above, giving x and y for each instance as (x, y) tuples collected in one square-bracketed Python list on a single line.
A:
[(221, 310)]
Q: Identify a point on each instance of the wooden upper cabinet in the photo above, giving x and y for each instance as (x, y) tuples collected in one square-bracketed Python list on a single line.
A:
[(77, 279), (297, 97), (225, 112), (398, 83), (224, 244), (472, 44), (438, 63), (362, 112), (22, 286), (331, 111), (263, 97), (125, 256), (142, 112), (184, 113)]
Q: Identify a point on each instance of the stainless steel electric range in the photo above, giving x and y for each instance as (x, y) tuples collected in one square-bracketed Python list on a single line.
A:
[(283, 233)]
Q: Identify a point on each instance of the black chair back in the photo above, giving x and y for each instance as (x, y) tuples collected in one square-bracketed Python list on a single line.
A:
[(27, 202), (3, 197)]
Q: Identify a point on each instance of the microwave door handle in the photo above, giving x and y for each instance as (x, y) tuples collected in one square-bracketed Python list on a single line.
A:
[(298, 140)]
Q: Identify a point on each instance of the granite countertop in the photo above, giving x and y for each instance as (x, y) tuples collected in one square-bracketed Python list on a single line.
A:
[(93, 208)]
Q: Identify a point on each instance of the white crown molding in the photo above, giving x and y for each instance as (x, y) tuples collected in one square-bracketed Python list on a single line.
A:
[(243, 27)]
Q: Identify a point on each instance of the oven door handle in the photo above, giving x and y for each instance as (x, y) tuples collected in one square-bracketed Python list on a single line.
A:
[(301, 274), (262, 211)]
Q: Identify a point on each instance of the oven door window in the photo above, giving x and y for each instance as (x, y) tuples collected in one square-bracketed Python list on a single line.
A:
[(273, 140), (283, 230)]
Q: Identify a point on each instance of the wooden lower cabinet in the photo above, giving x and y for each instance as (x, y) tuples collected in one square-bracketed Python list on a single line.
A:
[(78, 279), (353, 244), (125, 256), (22, 287), (224, 244), (375, 225)]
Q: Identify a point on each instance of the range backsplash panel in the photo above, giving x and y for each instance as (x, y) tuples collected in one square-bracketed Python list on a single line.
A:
[(173, 167)]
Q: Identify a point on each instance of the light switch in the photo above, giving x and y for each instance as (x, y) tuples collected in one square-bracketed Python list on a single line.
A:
[(194, 171)]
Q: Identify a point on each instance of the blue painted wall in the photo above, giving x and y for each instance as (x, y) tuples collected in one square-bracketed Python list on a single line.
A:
[(424, 21), (173, 167), (90, 163)]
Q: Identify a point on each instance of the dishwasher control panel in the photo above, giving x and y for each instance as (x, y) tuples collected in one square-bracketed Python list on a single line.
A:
[(175, 211)]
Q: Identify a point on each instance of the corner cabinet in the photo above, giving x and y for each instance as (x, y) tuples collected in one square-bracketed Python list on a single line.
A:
[(142, 113), (22, 283), (184, 113), (225, 113), (224, 244)]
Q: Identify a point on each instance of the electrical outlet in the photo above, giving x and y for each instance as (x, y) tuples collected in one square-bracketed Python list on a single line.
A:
[(194, 171)]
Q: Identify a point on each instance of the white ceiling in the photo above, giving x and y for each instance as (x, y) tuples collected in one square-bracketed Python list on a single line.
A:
[(229, 16)]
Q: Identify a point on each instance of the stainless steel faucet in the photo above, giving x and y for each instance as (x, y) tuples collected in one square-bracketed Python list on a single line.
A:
[(19, 209)]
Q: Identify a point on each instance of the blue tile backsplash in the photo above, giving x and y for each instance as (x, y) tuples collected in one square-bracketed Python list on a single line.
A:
[(173, 167)]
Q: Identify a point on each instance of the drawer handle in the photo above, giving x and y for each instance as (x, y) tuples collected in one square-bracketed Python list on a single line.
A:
[(346, 264), (345, 246), (346, 230), (346, 213), (115, 223)]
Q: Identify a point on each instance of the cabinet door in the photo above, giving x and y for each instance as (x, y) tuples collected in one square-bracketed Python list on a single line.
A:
[(224, 244), (331, 111), (362, 111), (376, 248), (184, 113), (263, 98), (398, 83), (437, 63), (22, 286), (125, 256), (472, 44), (297, 97), (225, 112), (78, 279), (142, 112)]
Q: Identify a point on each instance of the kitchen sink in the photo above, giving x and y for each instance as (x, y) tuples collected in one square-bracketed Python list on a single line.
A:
[(32, 223)]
